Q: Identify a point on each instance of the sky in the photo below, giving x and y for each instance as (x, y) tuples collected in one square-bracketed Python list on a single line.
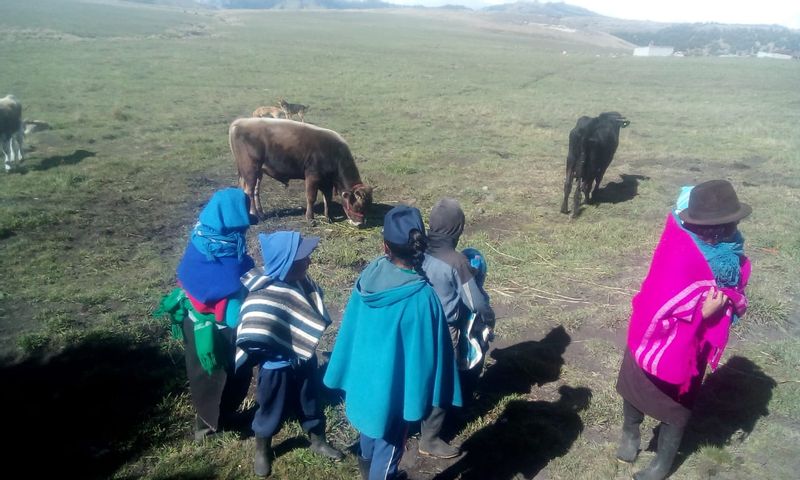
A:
[(781, 12)]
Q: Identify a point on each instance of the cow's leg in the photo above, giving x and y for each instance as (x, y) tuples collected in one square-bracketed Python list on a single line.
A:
[(257, 192), (302, 117), (327, 198), (19, 139), (312, 184), (587, 188), (567, 189), (7, 154), (250, 182), (576, 198), (596, 187)]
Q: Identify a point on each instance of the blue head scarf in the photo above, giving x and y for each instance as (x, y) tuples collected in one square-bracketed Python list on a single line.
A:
[(216, 255), (723, 258), (278, 250), (221, 227)]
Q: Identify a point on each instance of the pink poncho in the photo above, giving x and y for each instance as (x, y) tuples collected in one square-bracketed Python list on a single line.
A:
[(667, 331)]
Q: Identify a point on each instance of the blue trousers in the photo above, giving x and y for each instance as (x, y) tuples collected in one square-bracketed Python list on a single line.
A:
[(287, 390), (385, 453)]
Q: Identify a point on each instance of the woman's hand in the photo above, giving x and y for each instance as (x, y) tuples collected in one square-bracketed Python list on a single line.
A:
[(715, 300)]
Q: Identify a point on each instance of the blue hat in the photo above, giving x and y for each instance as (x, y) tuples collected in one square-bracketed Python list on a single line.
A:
[(280, 249), (307, 245), (399, 222)]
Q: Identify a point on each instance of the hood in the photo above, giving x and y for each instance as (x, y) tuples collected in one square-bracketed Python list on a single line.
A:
[(446, 225), (226, 212), (382, 283)]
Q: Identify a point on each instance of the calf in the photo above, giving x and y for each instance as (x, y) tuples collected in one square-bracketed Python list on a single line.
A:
[(12, 130), (274, 112), (592, 144), (286, 150)]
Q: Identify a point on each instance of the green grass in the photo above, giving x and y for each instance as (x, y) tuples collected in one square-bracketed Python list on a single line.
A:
[(140, 98)]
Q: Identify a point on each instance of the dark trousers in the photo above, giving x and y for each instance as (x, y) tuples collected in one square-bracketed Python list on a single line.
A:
[(385, 453), (287, 390), (217, 396)]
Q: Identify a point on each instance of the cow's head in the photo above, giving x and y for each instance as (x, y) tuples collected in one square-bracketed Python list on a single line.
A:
[(356, 203), (616, 117)]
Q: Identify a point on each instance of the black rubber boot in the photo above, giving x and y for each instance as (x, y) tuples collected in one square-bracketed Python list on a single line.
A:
[(321, 446), (363, 467), (263, 458), (669, 439), (429, 441), (631, 436)]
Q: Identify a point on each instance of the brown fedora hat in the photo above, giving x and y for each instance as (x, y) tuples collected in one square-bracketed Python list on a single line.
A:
[(714, 203)]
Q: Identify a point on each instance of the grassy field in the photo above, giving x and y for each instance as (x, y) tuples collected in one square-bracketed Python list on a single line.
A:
[(139, 99)]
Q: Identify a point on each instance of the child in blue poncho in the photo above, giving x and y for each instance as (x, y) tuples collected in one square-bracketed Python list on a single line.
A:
[(393, 356)]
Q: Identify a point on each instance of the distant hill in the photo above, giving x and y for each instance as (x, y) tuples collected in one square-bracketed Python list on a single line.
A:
[(297, 4), (553, 10), (689, 38), (717, 39)]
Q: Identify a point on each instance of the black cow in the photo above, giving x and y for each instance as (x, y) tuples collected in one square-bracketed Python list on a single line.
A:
[(592, 144)]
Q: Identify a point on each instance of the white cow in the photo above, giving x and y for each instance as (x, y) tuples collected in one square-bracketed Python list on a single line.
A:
[(12, 130)]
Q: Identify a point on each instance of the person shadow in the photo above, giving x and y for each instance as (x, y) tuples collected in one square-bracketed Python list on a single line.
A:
[(85, 411), (730, 403), (523, 440), (527, 434), (515, 370)]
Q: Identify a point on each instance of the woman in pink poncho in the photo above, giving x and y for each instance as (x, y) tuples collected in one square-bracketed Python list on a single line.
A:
[(681, 316)]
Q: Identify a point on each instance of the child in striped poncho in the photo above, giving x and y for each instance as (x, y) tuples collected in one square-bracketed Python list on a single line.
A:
[(281, 322)]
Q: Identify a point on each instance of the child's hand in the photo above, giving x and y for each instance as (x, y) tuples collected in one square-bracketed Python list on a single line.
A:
[(715, 300)]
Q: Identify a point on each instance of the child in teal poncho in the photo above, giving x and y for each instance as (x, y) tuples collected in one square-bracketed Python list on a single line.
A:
[(392, 356)]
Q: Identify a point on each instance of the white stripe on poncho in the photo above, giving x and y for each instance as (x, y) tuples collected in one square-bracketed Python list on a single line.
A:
[(279, 318)]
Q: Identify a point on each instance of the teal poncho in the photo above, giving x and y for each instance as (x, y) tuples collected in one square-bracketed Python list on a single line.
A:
[(393, 355)]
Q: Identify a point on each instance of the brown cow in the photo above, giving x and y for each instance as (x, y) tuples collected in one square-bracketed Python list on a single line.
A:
[(286, 150)]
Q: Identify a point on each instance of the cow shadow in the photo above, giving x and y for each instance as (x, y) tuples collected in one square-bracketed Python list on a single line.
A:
[(523, 440), (729, 405), (618, 192), (60, 160), (376, 214), (90, 408), (291, 212)]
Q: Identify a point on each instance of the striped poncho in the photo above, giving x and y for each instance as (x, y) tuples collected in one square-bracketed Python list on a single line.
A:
[(279, 318)]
